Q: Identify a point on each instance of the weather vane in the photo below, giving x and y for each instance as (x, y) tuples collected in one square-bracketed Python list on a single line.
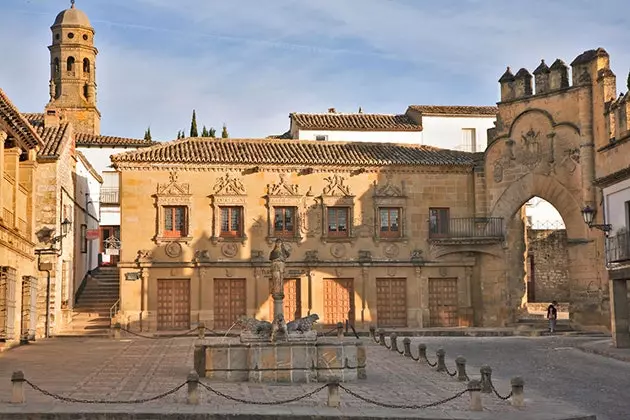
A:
[(72, 3)]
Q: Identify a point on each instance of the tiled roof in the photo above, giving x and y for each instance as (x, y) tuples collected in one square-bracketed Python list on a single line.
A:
[(454, 109), (354, 122), (87, 140), (51, 136), (205, 150), (285, 135), (89, 166), (17, 123)]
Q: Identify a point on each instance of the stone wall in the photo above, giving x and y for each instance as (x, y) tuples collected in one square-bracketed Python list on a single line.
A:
[(548, 250)]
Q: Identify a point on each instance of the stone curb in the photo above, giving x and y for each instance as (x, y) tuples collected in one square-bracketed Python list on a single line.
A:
[(590, 348)]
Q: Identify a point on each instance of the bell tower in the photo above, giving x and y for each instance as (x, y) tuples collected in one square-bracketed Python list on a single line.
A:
[(73, 73)]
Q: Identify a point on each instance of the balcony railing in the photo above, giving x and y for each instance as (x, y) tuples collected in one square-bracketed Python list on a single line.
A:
[(110, 196), (618, 248), (467, 227)]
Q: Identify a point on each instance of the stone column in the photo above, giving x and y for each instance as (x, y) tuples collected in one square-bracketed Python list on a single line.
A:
[(619, 313), (423, 284), (12, 163), (277, 273), (587, 157)]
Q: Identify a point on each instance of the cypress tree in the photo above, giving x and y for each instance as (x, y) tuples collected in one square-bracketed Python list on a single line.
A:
[(212, 132), (204, 132), (193, 125), (628, 82), (224, 133), (147, 134), (178, 135)]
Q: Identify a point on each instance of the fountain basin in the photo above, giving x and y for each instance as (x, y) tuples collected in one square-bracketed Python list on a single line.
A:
[(286, 361)]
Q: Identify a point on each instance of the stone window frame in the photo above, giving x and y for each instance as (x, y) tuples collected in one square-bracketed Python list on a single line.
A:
[(398, 202), (231, 233), (184, 200), (348, 201), (294, 202), (227, 200)]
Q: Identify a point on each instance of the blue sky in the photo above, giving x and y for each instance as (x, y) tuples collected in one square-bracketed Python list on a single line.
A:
[(249, 63)]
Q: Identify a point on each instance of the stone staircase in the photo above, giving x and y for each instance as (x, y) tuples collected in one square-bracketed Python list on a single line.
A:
[(90, 316)]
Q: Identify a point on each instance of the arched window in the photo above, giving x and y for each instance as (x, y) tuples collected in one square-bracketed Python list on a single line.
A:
[(70, 65), (86, 65), (56, 66)]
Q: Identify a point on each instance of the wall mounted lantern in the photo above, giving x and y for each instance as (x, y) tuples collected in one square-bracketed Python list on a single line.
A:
[(588, 214)]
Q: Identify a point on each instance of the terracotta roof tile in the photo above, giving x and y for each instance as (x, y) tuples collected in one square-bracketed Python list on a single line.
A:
[(51, 136), (87, 140), (17, 123), (205, 150), (354, 122), (455, 109)]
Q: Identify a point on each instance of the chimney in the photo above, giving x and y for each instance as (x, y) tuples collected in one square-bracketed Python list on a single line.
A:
[(541, 77), (331, 110), (522, 84), (559, 75), (507, 86)]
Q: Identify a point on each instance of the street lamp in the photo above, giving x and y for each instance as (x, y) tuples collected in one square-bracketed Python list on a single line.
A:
[(588, 214), (65, 228)]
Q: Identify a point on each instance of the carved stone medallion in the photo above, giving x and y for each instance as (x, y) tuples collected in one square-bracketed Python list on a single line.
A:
[(497, 173), (531, 154), (443, 271), (391, 250), (229, 272), (338, 272), (144, 255), (173, 249), (229, 250), (338, 250), (391, 271)]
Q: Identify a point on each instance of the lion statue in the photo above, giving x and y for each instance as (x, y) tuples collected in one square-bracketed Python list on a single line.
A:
[(254, 326), (302, 325)]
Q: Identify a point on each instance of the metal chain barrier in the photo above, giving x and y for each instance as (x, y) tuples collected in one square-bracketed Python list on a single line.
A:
[(325, 333), (426, 359), (413, 407), (448, 372), (240, 400), (86, 401), (501, 397), (214, 333)]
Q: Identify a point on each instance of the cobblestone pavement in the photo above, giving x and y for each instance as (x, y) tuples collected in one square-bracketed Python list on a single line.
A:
[(552, 365), (134, 368)]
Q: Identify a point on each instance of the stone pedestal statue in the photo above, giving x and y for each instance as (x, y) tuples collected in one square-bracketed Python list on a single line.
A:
[(278, 256)]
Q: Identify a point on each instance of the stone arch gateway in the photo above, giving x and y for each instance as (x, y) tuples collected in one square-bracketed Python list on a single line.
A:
[(543, 145)]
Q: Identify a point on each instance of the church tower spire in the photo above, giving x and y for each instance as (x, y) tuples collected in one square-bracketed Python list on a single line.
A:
[(73, 73)]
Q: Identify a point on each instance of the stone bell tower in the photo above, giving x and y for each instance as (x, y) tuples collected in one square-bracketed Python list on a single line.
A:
[(73, 73)]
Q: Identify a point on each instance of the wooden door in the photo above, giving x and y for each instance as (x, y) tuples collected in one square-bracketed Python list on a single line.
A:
[(229, 302), (173, 304), (391, 302), (109, 234), (338, 300), (443, 302), (292, 304)]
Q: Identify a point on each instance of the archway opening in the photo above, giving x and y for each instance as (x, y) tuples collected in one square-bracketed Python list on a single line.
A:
[(544, 256)]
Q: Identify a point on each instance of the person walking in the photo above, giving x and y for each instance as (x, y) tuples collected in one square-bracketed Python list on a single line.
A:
[(552, 316)]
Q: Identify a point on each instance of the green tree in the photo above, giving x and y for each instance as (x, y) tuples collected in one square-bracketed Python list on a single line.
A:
[(204, 132), (179, 134), (193, 125), (147, 134), (628, 82), (212, 132), (224, 133)]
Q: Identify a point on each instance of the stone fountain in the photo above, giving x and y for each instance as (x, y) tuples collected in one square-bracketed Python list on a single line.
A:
[(278, 351)]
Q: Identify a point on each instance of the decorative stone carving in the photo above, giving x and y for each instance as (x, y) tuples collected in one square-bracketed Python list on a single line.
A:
[(391, 271), (571, 159), (338, 250), (364, 226), (173, 249), (338, 272), (443, 271), (365, 256), (173, 187), (302, 325), (201, 255), (172, 193), (388, 189), (497, 171), (144, 255), (255, 326), (257, 255), (391, 250), (336, 186), (283, 188), (228, 185), (229, 272), (229, 249), (416, 255), (532, 151), (311, 256), (310, 220)]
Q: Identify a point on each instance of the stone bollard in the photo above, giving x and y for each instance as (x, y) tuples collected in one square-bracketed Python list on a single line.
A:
[(518, 399), (486, 379), (117, 331), (381, 337), (17, 392), (334, 399), (461, 368), (373, 332), (361, 361), (407, 347), (193, 388), (340, 330), (441, 363), (393, 340), (422, 351), (474, 390), (201, 329)]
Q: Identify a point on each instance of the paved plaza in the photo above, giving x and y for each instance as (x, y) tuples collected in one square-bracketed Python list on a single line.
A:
[(135, 368)]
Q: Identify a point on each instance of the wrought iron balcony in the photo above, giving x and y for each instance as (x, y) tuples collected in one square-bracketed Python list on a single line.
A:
[(618, 247), (110, 196), (467, 229)]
